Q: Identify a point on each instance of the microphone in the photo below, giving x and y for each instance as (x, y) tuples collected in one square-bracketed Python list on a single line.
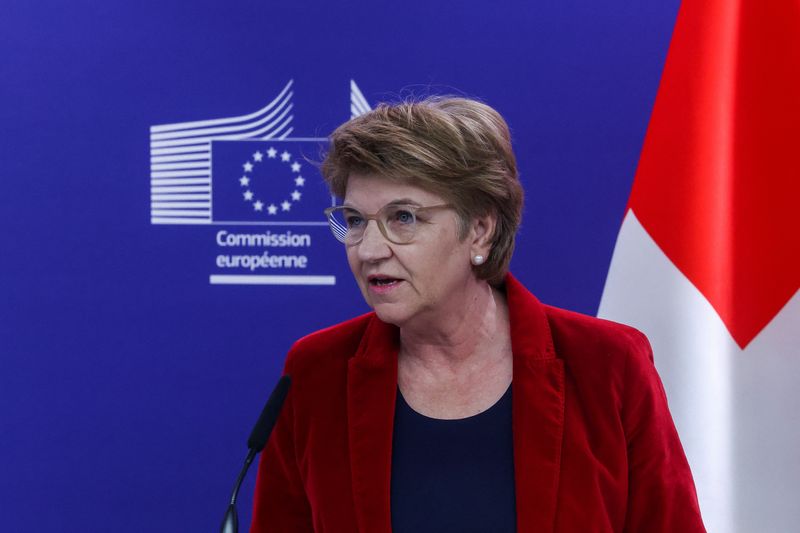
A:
[(258, 439)]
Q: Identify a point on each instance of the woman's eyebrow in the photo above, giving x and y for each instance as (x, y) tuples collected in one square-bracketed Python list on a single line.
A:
[(405, 201), (399, 201)]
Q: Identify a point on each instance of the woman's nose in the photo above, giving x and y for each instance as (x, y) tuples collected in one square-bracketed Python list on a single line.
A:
[(373, 245)]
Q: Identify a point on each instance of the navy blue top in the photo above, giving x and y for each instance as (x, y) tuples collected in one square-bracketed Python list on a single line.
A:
[(453, 475)]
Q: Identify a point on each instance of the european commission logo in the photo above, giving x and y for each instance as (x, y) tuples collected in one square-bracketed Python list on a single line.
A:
[(268, 181), (239, 169), (246, 171)]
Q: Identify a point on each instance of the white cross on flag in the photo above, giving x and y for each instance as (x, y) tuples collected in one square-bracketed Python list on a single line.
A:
[(707, 262)]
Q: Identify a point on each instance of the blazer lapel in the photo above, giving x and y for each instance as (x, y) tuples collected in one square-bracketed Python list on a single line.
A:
[(371, 394), (537, 411)]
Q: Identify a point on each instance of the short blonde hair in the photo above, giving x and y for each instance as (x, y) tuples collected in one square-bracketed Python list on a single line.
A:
[(457, 148)]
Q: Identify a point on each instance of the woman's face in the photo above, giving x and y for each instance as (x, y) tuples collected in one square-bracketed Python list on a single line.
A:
[(414, 281)]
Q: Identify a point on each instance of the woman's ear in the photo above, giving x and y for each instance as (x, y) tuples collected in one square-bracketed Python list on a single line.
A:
[(481, 232)]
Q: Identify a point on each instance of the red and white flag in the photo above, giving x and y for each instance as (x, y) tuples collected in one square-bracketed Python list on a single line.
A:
[(707, 262)]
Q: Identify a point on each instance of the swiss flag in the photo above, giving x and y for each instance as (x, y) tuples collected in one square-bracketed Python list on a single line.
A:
[(707, 262)]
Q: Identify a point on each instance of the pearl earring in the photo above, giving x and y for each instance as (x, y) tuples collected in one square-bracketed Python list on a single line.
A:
[(477, 260)]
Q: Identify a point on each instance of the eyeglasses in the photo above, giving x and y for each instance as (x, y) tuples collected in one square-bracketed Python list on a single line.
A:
[(397, 222)]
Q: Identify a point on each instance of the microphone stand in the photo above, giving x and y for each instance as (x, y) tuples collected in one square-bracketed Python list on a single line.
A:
[(258, 439), (230, 524)]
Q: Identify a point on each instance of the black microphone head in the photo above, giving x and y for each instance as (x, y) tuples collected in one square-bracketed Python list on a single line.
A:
[(260, 434)]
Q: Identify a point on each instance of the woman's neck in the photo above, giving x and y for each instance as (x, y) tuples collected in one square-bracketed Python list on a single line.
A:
[(461, 369), (473, 329)]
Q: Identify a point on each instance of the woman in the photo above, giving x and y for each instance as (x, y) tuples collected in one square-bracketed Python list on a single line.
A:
[(461, 403)]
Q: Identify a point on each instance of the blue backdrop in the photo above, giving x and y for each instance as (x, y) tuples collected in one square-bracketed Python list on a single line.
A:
[(129, 380)]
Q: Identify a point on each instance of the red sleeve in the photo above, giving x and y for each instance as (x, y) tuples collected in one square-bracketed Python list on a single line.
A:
[(280, 503), (661, 492)]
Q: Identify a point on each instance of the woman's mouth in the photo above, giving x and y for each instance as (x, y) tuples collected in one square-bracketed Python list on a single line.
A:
[(382, 284)]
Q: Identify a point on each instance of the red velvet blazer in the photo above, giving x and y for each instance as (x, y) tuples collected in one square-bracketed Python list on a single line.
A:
[(595, 448)]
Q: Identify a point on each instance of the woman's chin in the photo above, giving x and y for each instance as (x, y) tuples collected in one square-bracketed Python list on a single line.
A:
[(391, 313)]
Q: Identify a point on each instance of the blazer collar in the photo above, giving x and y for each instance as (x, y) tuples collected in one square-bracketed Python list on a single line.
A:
[(371, 394), (537, 406), (537, 416)]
